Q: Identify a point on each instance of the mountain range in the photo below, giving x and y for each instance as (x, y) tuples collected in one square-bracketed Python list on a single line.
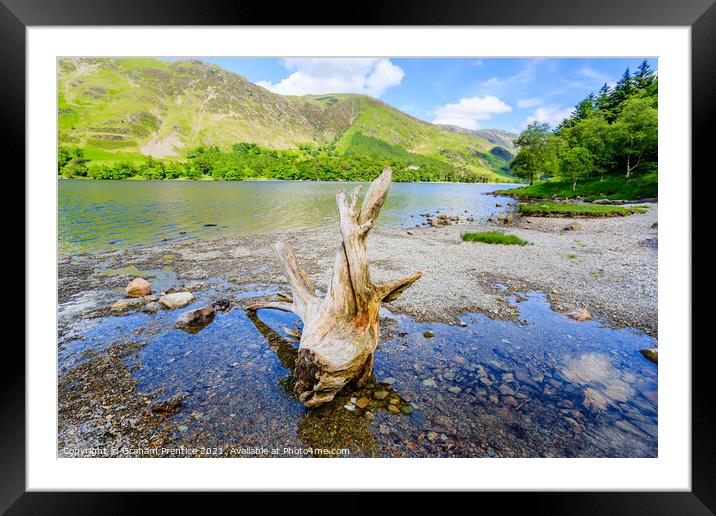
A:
[(131, 108)]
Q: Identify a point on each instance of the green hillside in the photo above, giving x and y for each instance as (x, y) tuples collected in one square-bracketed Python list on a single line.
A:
[(127, 110)]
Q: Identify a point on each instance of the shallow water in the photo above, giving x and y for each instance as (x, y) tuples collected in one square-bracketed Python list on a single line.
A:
[(543, 387), (99, 215)]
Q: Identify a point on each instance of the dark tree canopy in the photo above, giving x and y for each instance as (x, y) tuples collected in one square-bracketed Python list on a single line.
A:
[(611, 133)]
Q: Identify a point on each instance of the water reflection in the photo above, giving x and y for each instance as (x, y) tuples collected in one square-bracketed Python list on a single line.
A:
[(100, 215), (547, 387)]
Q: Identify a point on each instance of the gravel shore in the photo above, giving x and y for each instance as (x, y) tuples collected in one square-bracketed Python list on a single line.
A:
[(608, 266)]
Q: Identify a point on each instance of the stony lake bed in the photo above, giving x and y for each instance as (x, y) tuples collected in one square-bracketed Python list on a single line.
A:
[(477, 359)]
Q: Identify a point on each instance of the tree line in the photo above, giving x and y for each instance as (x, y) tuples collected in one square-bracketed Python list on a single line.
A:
[(362, 160), (611, 133)]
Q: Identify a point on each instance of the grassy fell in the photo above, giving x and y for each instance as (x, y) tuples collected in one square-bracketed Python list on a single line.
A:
[(112, 107), (549, 208), (493, 237)]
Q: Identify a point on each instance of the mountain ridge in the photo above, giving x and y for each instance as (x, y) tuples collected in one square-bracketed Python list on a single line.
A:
[(131, 108)]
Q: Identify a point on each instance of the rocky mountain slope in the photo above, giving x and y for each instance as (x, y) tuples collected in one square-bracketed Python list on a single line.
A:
[(130, 108)]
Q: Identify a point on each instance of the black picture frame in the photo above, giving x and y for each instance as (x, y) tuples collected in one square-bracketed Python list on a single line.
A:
[(700, 15)]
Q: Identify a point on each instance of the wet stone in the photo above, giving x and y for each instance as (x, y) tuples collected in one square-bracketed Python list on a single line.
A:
[(510, 401), (417, 418), (380, 395), (362, 403), (244, 400)]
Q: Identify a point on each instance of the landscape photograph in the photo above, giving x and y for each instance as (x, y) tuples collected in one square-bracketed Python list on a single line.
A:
[(381, 257)]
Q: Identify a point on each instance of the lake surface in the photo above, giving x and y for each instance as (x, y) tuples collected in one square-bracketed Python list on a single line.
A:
[(547, 386), (99, 215)]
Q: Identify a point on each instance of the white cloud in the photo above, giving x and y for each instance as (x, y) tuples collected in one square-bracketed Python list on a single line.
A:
[(344, 75), (528, 103), (517, 81), (551, 115), (468, 111)]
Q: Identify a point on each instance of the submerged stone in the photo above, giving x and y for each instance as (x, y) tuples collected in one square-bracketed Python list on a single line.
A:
[(362, 402), (195, 320)]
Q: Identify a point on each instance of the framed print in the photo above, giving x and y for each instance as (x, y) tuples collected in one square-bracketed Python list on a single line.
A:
[(425, 245)]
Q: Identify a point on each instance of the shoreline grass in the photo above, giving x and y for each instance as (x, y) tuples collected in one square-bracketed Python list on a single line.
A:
[(493, 237), (611, 187), (549, 208)]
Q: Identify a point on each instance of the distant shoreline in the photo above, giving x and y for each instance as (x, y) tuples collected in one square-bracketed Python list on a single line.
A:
[(266, 179)]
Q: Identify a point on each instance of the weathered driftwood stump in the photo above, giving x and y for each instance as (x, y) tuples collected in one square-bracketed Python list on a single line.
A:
[(340, 330)]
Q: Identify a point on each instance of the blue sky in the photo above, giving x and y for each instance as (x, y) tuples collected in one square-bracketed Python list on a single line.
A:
[(503, 93)]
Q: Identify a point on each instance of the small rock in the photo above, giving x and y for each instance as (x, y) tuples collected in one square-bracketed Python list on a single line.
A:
[(380, 395), (393, 409), (221, 305), (168, 407), (138, 287), (176, 299), (133, 302), (194, 320), (510, 401), (406, 409), (574, 226), (506, 390), (389, 381), (429, 382), (362, 403), (651, 354), (192, 286), (350, 408), (151, 307), (580, 315), (121, 305), (455, 390), (428, 334), (417, 418)]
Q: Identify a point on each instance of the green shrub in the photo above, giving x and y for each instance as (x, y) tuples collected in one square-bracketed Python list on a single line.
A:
[(547, 208), (493, 237)]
